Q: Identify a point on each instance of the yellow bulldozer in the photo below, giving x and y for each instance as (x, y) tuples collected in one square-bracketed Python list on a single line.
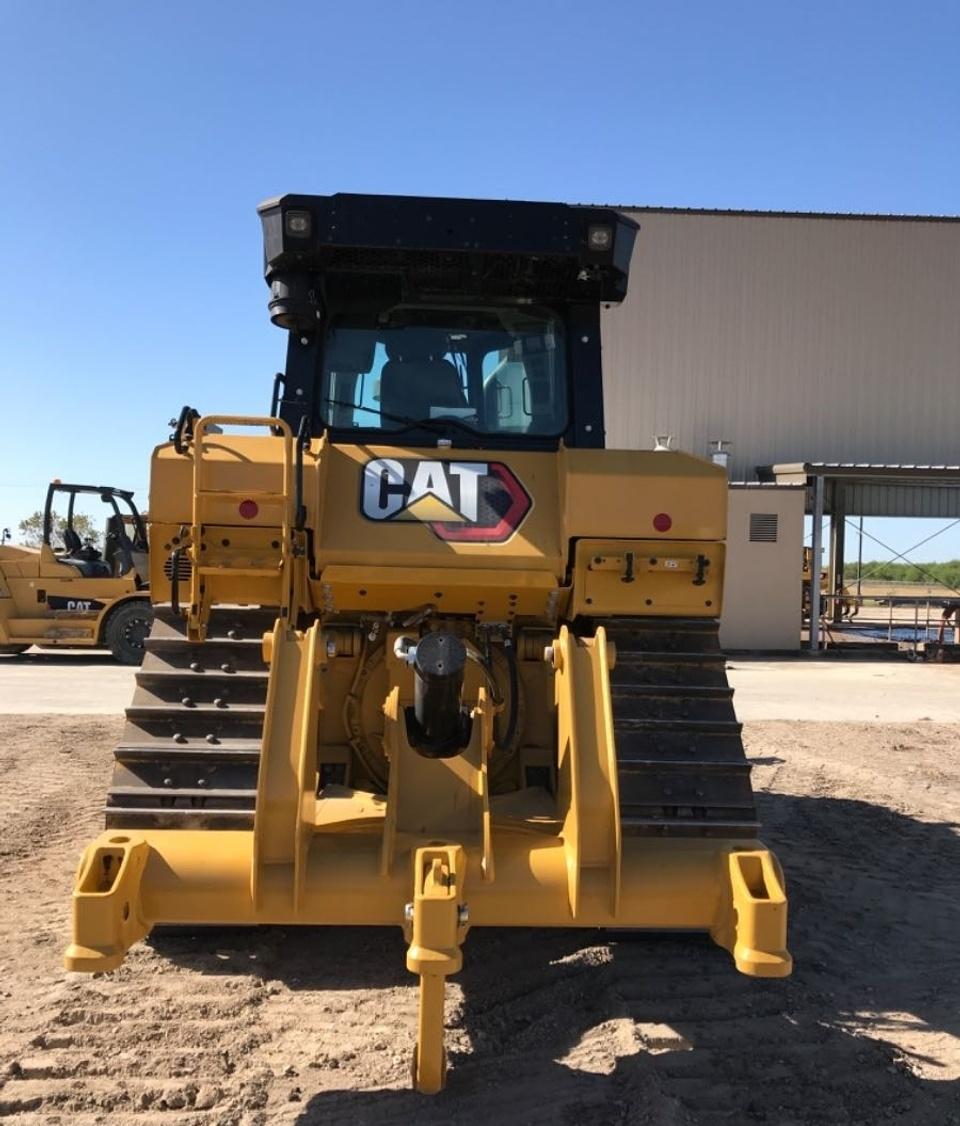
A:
[(71, 594), (427, 655)]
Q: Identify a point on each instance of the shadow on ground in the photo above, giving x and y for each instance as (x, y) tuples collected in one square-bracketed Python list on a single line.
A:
[(875, 919)]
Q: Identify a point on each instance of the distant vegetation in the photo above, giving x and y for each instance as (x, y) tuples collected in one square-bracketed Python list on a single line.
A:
[(946, 573), (31, 529)]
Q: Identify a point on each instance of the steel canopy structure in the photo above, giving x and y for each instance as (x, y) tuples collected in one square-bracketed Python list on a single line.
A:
[(842, 489)]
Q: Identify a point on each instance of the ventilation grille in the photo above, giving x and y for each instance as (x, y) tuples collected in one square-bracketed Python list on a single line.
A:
[(183, 567), (763, 527)]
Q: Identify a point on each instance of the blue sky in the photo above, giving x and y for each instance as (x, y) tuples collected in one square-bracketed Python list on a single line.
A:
[(138, 139)]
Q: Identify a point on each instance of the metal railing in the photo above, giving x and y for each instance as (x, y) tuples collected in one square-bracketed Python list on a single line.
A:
[(911, 622)]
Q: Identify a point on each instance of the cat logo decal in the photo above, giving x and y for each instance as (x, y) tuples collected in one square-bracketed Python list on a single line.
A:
[(460, 501)]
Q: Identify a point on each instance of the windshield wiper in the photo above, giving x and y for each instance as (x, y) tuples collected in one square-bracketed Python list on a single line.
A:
[(435, 424)]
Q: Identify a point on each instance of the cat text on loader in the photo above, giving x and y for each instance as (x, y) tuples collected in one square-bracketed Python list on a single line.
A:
[(492, 692)]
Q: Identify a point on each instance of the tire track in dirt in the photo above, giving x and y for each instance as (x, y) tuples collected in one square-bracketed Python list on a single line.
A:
[(135, 1044), (51, 775), (292, 1026)]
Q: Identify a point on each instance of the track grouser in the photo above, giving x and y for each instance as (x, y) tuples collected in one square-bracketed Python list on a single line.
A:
[(426, 654)]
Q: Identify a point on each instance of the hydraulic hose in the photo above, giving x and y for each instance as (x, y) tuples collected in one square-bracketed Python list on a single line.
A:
[(474, 654), (511, 655)]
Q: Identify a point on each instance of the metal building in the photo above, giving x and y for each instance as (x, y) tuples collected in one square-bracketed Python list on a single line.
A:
[(819, 338), (795, 338)]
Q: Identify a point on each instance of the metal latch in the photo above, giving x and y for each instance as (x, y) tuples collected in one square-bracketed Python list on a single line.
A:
[(623, 565), (627, 565)]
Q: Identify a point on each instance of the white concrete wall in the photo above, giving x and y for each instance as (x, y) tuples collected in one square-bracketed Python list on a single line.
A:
[(763, 583)]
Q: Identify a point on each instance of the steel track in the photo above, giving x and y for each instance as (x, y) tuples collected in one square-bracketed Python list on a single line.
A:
[(682, 770), (190, 751)]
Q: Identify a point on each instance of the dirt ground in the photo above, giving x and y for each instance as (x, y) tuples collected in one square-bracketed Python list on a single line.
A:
[(316, 1026)]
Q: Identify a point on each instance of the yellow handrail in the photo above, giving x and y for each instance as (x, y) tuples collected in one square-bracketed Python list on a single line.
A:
[(202, 495)]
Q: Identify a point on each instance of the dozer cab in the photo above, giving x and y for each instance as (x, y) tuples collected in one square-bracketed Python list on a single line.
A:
[(68, 593), (429, 655)]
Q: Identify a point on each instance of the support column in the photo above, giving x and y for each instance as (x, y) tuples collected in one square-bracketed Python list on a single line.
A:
[(838, 523), (816, 546)]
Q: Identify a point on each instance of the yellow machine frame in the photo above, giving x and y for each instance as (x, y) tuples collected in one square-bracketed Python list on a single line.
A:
[(437, 855)]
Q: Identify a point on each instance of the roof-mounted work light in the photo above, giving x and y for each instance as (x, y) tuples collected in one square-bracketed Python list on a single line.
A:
[(599, 237), (297, 224)]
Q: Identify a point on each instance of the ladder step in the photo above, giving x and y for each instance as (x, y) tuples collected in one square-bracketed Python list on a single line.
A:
[(682, 691), (240, 710), (162, 753), (680, 726), (689, 827), (169, 793), (121, 817), (226, 623), (166, 673)]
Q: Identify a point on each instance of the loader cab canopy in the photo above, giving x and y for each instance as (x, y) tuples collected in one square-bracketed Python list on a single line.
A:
[(101, 538), (472, 321)]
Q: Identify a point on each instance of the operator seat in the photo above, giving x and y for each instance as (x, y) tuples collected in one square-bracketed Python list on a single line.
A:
[(89, 568), (72, 543), (414, 379), (84, 557)]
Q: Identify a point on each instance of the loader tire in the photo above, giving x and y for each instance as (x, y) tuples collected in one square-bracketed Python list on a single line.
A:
[(127, 630)]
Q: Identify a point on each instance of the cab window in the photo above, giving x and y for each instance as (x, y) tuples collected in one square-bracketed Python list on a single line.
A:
[(494, 371)]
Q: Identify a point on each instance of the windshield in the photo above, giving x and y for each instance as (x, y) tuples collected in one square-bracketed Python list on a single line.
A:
[(493, 371)]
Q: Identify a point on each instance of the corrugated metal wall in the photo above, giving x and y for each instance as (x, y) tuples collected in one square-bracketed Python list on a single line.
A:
[(798, 339), (941, 503)]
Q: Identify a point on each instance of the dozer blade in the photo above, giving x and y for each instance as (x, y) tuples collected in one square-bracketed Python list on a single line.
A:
[(428, 857)]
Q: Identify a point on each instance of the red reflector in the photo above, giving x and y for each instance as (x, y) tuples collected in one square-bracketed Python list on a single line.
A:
[(248, 509), (662, 522)]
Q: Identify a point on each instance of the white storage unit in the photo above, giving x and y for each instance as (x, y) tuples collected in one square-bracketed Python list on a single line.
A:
[(763, 585)]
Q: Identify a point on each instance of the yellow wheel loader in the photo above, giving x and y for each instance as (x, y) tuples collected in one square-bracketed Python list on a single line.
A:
[(429, 655), (73, 595)]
